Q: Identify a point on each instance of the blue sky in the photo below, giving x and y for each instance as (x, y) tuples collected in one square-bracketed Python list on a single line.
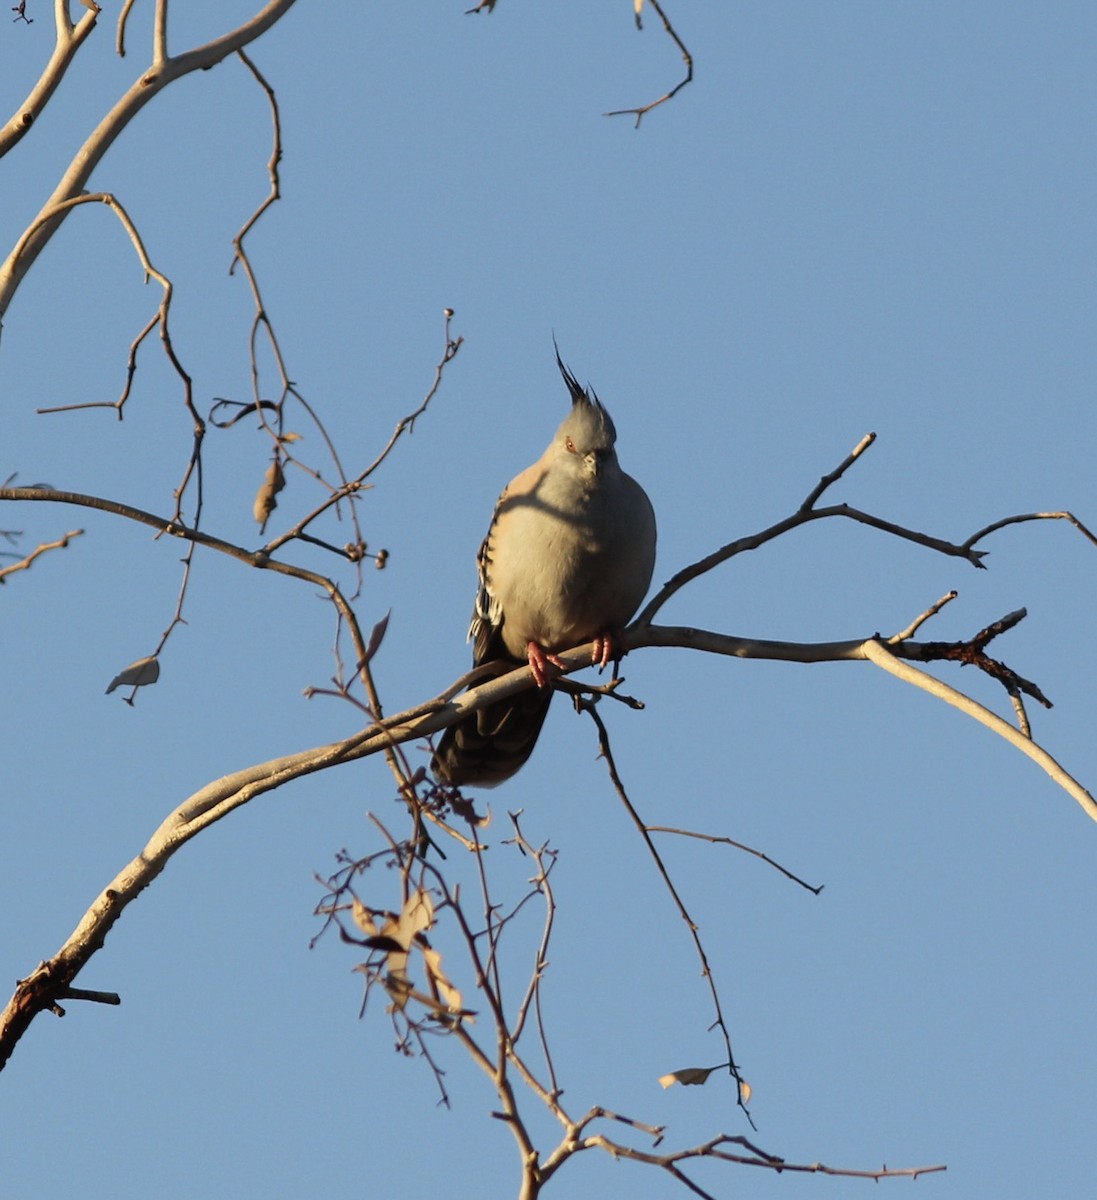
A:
[(860, 216)]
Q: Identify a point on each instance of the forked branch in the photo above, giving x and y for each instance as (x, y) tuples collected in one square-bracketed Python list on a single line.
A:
[(161, 73), (395, 931), (69, 38), (640, 112)]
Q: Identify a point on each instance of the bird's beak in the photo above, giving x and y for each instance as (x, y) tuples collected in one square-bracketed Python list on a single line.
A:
[(595, 462)]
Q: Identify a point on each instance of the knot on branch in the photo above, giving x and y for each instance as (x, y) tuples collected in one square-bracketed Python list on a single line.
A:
[(972, 653), (44, 988)]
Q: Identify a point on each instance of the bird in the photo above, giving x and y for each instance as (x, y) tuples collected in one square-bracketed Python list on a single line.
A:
[(567, 559)]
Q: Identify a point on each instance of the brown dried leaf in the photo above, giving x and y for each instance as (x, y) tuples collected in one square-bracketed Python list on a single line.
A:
[(687, 1076), (265, 503), (416, 915), (363, 917), (397, 983), (376, 637), (440, 985), (397, 935)]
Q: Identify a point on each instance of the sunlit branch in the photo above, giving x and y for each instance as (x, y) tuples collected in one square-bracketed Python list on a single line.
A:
[(120, 30), (1038, 516), (69, 39), (150, 272), (160, 34), (25, 563), (876, 652), (148, 85)]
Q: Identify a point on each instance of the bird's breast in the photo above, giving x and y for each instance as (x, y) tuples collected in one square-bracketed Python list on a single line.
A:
[(567, 574)]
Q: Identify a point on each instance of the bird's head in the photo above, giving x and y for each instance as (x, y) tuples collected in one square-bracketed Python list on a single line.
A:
[(586, 437)]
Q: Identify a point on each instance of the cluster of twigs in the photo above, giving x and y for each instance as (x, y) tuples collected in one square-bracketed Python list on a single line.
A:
[(508, 1036)]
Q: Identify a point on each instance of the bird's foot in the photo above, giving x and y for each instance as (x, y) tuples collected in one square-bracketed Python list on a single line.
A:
[(540, 660), (605, 649)]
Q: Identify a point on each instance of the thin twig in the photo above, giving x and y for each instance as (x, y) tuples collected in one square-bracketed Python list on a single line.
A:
[(807, 512), (921, 619), (726, 841), (120, 31), (91, 997), (146, 87), (150, 271), (683, 912), (1037, 516), (687, 58), (37, 552), (68, 40), (832, 477), (533, 991)]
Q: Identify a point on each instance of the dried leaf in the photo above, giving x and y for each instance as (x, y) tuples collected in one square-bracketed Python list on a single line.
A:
[(376, 637), (381, 941), (138, 674), (639, 4), (687, 1076), (439, 983), (397, 983), (744, 1091), (363, 917), (395, 938), (416, 915), (466, 810), (265, 503)]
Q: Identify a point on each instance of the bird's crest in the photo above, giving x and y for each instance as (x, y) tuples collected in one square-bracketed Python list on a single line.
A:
[(584, 400)]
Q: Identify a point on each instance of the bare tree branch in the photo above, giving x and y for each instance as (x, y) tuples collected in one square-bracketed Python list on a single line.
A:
[(714, 1148), (120, 32), (24, 564), (69, 39), (1038, 516), (880, 655), (687, 58), (741, 1090), (416, 1016), (726, 841), (149, 84), (441, 713), (158, 321)]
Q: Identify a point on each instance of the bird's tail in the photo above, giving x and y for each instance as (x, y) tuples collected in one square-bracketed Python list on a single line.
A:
[(489, 746)]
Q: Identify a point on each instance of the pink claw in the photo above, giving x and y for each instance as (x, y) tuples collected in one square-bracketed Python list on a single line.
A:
[(604, 650), (539, 661)]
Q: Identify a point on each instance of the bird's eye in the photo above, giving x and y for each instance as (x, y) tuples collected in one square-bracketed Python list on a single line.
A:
[(570, 445)]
